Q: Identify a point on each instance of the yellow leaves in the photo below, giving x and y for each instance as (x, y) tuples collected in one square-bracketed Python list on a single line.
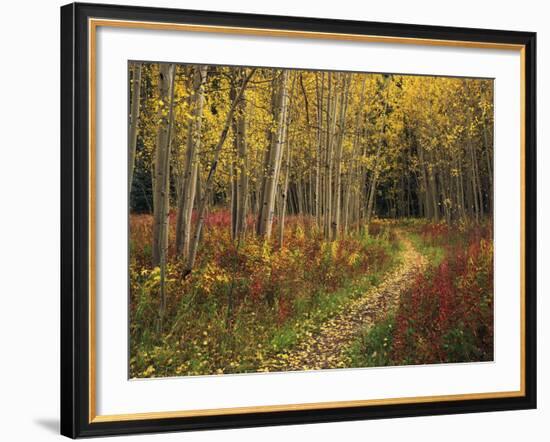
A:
[(212, 275), (266, 252), (148, 372), (334, 249), (223, 278), (353, 258)]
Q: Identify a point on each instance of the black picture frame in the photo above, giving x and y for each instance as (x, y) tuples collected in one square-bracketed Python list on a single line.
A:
[(75, 220)]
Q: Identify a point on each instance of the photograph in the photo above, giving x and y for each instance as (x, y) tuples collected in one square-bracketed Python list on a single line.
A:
[(272, 219), (297, 219)]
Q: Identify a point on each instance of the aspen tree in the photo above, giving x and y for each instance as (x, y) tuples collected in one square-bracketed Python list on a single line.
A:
[(134, 121), (209, 181), (190, 176)]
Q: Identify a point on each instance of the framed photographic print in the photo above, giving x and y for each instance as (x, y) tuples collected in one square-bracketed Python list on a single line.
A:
[(278, 220)]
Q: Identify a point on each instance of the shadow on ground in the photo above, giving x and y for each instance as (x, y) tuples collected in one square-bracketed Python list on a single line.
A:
[(51, 424)]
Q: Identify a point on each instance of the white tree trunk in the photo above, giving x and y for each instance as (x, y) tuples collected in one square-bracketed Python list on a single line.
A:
[(191, 170), (274, 162), (209, 181), (134, 122)]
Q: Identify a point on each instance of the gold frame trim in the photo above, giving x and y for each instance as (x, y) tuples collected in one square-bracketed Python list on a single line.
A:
[(93, 24)]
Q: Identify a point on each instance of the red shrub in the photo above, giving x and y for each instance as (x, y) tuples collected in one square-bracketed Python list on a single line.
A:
[(448, 314)]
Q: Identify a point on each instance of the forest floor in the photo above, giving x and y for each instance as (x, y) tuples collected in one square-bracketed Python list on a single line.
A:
[(401, 293), (327, 348)]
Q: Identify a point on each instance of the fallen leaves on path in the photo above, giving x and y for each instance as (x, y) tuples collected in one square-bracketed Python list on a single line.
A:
[(326, 348)]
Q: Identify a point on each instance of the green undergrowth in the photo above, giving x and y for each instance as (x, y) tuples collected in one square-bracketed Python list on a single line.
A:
[(446, 314), (433, 253), (326, 305), (373, 346), (202, 337)]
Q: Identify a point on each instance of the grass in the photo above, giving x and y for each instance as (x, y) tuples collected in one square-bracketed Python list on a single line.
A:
[(281, 297), (278, 296), (447, 313), (373, 346), (326, 306), (311, 315), (433, 253)]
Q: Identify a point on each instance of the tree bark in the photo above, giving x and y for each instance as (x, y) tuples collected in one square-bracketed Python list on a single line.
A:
[(134, 121), (162, 162), (268, 198), (162, 169), (320, 92), (191, 170), (337, 201), (284, 197), (241, 166), (209, 181)]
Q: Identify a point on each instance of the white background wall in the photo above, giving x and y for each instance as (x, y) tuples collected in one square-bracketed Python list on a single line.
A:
[(29, 220)]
